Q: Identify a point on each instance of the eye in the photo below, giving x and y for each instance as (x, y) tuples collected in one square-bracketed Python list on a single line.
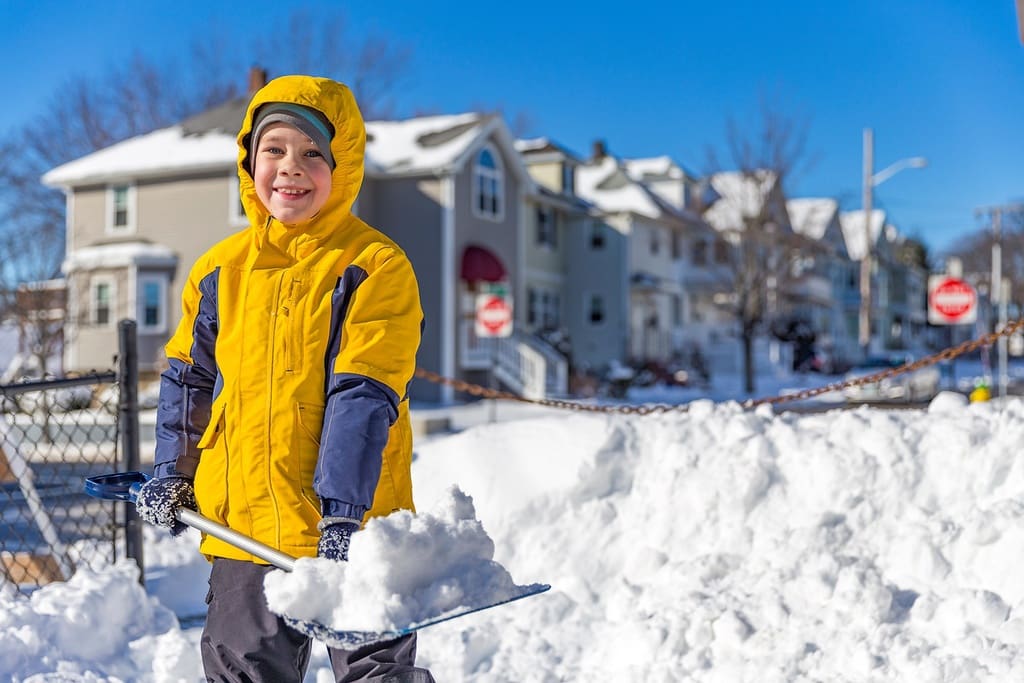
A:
[(313, 153), (271, 149)]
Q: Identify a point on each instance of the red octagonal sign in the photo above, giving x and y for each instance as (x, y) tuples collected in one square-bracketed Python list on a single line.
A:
[(493, 316), (951, 301)]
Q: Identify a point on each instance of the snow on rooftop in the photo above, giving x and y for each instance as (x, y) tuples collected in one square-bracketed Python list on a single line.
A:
[(663, 167), (119, 255), (607, 185), (741, 196), (167, 149), (852, 223), (420, 144), (407, 146), (810, 217)]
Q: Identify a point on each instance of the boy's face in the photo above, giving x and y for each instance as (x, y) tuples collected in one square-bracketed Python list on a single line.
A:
[(293, 180)]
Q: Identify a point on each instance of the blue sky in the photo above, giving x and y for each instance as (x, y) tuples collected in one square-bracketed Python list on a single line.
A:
[(943, 79)]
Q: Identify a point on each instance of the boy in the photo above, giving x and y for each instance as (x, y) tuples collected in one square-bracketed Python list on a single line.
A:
[(284, 412)]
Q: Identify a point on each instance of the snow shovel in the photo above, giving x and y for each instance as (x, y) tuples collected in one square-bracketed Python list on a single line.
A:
[(125, 486)]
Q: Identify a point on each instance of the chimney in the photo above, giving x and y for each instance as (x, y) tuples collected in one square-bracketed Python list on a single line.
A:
[(598, 151), (257, 79)]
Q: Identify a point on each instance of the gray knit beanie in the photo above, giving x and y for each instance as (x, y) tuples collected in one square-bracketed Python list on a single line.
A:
[(312, 123)]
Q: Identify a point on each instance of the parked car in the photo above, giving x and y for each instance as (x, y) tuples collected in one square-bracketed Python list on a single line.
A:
[(921, 384)]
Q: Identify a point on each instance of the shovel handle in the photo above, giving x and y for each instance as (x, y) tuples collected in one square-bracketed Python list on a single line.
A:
[(125, 486)]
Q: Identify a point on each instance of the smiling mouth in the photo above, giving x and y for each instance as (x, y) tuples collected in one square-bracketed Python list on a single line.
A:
[(291, 191)]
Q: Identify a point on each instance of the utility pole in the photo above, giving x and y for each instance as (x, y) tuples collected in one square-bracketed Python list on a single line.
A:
[(1000, 287), (864, 329), (867, 262)]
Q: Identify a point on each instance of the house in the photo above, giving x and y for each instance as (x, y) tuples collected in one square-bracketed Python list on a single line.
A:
[(748, 210), (576, 276), (449, 189), (655, 233), (859, 239), (826, 278), (699, 255)]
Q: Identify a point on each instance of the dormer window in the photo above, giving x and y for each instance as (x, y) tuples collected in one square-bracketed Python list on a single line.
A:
[(488, 185), (121, 209), (568, 179)]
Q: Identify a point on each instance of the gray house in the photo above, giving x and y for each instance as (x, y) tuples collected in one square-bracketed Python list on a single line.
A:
[(576, 277), (451, 190)]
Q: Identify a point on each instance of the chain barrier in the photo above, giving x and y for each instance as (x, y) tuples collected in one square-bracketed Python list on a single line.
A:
[(649, 408)]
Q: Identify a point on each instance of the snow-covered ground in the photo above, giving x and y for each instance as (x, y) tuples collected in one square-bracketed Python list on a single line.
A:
[(715, 544)]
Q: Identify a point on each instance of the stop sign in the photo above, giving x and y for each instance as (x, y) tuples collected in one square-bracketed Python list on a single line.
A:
[(493, 316), (951, 301)]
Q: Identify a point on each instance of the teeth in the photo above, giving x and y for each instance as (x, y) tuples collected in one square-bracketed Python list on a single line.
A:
[(285, 190)]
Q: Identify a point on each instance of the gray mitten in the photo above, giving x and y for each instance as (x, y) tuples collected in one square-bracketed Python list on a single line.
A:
[(159, 499)]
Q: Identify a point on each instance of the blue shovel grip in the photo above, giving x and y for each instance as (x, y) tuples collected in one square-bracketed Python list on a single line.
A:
[(120, 486)]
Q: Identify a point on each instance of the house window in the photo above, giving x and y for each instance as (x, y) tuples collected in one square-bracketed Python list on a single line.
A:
[(595, 309), (152, 311), (102, 304), (597, 238), (488, 185), (655, 243), (552, 317), (700, 253), (547, 230), (121, 208), (532, 306), (568, 179)]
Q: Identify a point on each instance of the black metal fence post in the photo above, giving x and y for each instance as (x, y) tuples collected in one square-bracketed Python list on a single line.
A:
[(128, 415)]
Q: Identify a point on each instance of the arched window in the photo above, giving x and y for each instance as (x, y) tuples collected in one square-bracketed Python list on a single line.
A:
[(488, 185)]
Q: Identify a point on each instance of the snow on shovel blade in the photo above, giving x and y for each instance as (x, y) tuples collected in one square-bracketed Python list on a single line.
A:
[(353, 639), (125, 486)]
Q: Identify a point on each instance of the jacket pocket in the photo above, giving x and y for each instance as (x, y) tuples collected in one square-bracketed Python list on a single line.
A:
[(214, 429), (309, 419), (211, 481), (291, 299)]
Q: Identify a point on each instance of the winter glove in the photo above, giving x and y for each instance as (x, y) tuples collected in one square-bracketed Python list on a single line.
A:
[(159, 499), (335, 533)]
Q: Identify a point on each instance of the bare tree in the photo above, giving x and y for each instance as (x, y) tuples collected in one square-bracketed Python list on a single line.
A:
[(747, 208), (139, 95)]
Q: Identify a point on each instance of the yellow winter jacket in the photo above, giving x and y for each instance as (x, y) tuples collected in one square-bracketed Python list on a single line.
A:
[(286, 396)]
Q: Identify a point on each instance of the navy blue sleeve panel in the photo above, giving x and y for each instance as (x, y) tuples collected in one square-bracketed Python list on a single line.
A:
[(357, 418), (188, 386)]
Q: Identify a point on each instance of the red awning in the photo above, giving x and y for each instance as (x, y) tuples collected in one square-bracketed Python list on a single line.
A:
[(479, 264)]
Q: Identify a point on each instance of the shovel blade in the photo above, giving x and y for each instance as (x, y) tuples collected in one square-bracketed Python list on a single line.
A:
[(349, 640)]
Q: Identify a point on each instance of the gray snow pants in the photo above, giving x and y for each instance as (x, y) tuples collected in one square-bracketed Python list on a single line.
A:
[(243, 641)]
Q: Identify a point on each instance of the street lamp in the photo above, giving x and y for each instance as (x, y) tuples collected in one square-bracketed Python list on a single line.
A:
[(871, 179)]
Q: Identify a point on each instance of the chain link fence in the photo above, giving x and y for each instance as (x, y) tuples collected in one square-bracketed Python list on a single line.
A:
[(55, 433)]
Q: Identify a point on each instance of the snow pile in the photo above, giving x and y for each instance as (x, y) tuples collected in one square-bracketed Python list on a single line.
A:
[(96, 622), (715, 545), (403, 569), (729, 545)]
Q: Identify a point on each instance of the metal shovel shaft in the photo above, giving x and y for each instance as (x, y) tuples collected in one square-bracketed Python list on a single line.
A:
[(249, 545)]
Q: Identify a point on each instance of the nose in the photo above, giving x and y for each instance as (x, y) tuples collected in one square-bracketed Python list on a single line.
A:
[(291, 165)]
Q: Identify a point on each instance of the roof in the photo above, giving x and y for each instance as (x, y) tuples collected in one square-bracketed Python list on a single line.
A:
[(740, 196), (811, 217), (423, 144), (154, 154), (609, 187), (206, 142), (656, 168), (118, 255), (852, 223), (544, 147)]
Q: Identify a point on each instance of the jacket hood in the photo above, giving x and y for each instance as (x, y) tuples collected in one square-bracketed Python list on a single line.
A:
[(337, 103)]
